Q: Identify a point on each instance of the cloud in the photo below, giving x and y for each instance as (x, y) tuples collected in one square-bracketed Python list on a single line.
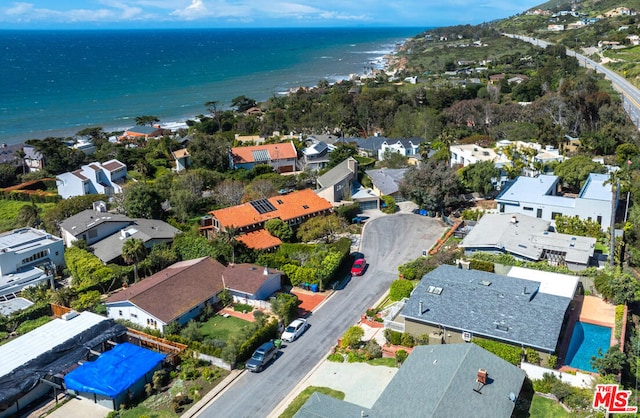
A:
[(28, 12)]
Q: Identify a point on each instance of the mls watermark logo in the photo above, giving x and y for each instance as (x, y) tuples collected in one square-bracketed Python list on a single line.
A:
[(612, 399)]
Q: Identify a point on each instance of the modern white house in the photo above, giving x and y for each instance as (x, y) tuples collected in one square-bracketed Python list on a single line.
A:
[(540, 197), (315, 157), (95, 178), (28, 257)]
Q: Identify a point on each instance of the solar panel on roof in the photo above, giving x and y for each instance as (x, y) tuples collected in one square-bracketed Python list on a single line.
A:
[(260, 155), (262, 206)]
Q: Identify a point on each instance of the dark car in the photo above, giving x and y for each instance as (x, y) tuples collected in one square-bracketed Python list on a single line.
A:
[(263, 355), (358, 267)]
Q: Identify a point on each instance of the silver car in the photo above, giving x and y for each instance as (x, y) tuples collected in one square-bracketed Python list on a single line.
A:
[(294, 330)]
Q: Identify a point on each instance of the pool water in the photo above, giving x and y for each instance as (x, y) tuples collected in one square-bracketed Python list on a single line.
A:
[(585, 342)]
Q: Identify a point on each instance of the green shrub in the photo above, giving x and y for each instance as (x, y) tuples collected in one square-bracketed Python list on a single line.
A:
[(372, 349), (506, 352), (336, 357), (552, 361), (352, 337), (242, 307), (372, 312), (532, 356), (618, 326), (407, 340), (401, 356), (356, 357), (545, 384), (422, 339), (392, 337), (400, 289), (481, 265)]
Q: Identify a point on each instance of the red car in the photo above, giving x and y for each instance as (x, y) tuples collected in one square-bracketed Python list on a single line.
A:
[(358, 267)]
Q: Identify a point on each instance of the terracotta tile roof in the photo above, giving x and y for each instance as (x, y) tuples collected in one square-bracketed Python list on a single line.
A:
[(112, 165), (290, 206), (246, 278), (280, 151), (259, 240), (181, 153), (176, 289)]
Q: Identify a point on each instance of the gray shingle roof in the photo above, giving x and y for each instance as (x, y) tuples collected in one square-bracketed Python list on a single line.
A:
[(439, 381), (148, 230), (508, 309), (336, 174), (87, 219), (323, 406), (527, 237), (387, 180)]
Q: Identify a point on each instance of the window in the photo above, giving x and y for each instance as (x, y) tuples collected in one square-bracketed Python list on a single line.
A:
[(134, 315), (501, 207), (120, 312), (539, 213), (599, 219), (527, 208), (36, 256), (554, 215)]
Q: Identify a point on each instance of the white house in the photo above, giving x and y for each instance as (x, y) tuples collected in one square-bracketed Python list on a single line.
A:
[(175, 294), (94, 178), (540, 197), (28, 257), (316, 156), (248, 282)]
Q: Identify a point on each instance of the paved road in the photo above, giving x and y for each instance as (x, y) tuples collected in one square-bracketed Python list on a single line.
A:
[(630, 93), (387, 242)]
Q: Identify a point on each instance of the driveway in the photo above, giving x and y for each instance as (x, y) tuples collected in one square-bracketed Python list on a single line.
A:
[(387, 242)]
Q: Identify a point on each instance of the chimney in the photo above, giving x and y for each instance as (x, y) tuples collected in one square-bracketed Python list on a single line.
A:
[(421, 307), (514, 220), (482, 376), (266, 271)]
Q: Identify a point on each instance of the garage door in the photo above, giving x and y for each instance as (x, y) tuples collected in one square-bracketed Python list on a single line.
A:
[(371, 204)]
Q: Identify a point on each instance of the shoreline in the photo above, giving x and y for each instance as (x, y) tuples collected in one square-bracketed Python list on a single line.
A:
[(381, 62)]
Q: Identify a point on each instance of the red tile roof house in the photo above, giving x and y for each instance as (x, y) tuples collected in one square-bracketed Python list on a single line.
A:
[(175, 294), (142, 132), (248, 282), (293, 209), (282, 157)]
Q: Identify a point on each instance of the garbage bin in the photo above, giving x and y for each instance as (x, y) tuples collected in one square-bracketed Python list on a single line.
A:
[(314, 287), (277, 343)]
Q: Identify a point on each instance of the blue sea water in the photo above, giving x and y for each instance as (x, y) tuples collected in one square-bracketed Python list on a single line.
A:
[(55, 83), (586, 339)]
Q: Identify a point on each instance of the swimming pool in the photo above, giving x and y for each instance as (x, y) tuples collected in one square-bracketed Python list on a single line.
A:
[(585, 342)]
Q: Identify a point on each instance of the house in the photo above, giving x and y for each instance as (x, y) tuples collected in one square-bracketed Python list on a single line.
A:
[(32, 364), (453, 380), (292, 208), (182, 160), (33, 159), (92, 225), (95, 178), (386, 181), (540, 197), (28, 257), (175, 294), (116, 376), (282, 157), (454, 305), (253, 139), (259, 239), (142, 132), (316, 156), (338, 183), (150, 231), (9, 154), (248, 282), (377, 146), (467, 154), (529, 239)]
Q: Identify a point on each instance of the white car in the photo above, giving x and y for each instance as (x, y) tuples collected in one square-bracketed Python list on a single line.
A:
[(294, 330)]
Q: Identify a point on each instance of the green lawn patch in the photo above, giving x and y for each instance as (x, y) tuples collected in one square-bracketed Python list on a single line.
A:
[(9, 212), (220, 328), (383, 361), (297, 403), (546, 408)]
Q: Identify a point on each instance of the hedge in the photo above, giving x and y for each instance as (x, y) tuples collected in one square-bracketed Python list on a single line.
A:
[(507, 352), (262, 335), (481, 265), (34, 311)]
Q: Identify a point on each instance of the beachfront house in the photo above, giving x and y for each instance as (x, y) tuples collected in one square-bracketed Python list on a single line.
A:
[(95, 178)]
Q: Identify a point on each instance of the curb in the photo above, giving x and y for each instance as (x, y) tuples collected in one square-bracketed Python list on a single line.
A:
[(202, 403)]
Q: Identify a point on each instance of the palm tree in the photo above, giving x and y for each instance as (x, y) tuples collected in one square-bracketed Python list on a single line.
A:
[(228, 237), (21, 155), (134, 251), (618, 180)]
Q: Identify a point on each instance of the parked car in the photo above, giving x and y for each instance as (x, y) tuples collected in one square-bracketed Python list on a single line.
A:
[(261, 357), (295, 329), (358, 267)]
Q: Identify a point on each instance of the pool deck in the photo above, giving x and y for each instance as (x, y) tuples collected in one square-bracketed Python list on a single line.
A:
[(592, 310)]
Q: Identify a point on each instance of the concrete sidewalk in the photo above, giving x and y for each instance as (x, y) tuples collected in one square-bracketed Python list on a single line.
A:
[(197, 407)]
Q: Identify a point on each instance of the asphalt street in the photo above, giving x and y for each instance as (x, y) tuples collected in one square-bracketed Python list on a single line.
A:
[(387, 242)]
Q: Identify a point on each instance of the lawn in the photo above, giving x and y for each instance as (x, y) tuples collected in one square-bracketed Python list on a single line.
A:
[(220, 328), (546, 408), (9, 212), (297, 403)]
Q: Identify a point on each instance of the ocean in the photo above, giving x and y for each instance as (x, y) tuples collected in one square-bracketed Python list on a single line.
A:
[(55, 83)]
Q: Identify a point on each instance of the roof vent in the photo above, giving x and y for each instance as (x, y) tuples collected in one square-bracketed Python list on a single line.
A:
[(69, 315), (485, 282), (514, 220)]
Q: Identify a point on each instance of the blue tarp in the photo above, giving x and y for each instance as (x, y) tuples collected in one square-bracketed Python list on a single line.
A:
[(114, 371)]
